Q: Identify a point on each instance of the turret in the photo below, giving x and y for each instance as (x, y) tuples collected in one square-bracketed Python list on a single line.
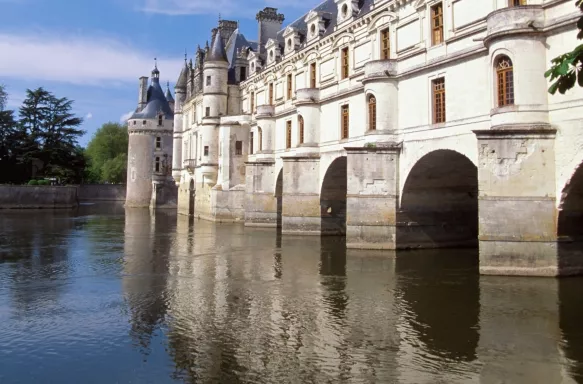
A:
[(215, 79)]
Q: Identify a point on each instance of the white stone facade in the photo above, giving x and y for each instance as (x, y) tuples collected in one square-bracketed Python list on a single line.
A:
[(246, 131)]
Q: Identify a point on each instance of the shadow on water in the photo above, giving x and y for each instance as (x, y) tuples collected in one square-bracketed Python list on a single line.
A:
[(571, 323), (441, 299)]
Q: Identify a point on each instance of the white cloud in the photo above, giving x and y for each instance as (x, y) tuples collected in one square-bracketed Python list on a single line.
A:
[(247, 8), (124, 118), (79, 60), (88, 116)]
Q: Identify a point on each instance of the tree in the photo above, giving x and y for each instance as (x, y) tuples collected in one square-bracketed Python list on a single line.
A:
[(566, 69), (3, 97), (48, 136), (107, 152), (8, 138)]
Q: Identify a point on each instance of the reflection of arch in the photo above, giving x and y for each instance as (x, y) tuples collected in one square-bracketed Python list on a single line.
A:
[(449, 330), (191, 194), (279, 197), (439, 203), (333, 198)]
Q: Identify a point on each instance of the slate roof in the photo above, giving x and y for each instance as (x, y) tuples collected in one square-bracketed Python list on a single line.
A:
[(328, 6), (183, 78), (217, 51), (156, 103), (169, 94)]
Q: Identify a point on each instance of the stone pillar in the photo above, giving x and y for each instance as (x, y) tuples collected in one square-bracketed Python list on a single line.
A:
[(372, 196), (517, 210), (260, 200), (301, 195)]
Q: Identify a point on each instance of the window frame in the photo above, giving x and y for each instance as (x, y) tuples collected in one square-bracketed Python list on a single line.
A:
[(207, 111), (208, 81), (289, 86), (238, 147), (436, 11), (372, 112), (158, 142), (505, 91), (438, 100), (300, 129), (288, 134), (385, 43), (313, 78), (157, 164), (512, 3), (252, 102), (251, 138), (344, 121), (260, 138), (205, 150), (271, 96), (344, 63)]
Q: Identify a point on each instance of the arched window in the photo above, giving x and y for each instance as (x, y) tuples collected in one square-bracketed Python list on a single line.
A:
[(372, 113), (505, 81), (260, 138), (301, 128)]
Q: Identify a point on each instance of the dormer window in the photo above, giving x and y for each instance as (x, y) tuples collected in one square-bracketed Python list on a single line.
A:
[(160, 120), (344, 11), (291, 37), (347, 9), (316, 20), (313, 30), (272, 47)]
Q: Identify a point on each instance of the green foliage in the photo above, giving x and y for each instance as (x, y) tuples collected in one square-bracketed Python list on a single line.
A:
[(107, 154), (43, 141), (565, 70), (33, 182), (44, 182), (3, 97)]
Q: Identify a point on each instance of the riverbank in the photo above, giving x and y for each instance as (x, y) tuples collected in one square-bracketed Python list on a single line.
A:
[(57, 197)]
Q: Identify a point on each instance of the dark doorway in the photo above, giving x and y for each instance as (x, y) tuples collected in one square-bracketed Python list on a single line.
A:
[(279, 197), (333, 199)]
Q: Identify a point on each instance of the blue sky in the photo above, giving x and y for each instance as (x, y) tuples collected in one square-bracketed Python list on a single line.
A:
[(94, 51)]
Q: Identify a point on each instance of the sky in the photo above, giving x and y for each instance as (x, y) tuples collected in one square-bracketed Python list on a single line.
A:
[(94, 51)]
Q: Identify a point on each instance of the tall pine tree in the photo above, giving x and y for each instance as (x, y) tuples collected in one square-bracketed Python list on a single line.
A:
[(9, 138)]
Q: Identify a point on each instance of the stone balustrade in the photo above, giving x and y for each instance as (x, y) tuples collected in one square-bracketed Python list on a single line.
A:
[(265, 111), (380, 69), (307, 96), (527, 18)]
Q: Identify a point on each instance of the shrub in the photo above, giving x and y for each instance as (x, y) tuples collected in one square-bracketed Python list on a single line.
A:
[(44, 182), (33, 182)]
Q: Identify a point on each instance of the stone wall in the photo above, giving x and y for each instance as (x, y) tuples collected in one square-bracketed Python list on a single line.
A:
[(19, 197), (102, 192)]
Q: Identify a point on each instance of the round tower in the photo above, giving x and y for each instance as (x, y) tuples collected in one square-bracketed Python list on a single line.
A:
[(180, 92), (214, 103), (150, 145)]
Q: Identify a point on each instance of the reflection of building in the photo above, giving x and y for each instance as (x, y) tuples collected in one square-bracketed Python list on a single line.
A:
[(391, 121), (148, 239), (149, 181)]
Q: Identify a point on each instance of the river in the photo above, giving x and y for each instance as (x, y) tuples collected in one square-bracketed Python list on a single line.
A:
[(103, 295)]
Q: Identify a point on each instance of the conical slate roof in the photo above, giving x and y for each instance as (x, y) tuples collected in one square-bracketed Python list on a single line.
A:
[(217, 51), (183, 78), (157, 103), (169, 94)]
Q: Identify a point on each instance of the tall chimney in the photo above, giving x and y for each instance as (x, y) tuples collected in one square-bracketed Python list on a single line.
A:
[(269, 23), (143, 95)]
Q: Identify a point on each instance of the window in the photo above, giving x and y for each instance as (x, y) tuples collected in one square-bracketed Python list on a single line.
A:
[(385, 45), (208, 81), (505, 81), (345, 62), (252, 102), (160, 120), (206, 150), (260, 138), (143, 122), (372, 113), (313, 75), (134, 122), (289, 86), (158, 142), (193, 116), (516, 3), (438, 86), (345, 121), (243, 73), (437, 24), (157, 165), (238, 148), (301, 128), (288, 136), (250, 143), (208, 111), (270, 93)]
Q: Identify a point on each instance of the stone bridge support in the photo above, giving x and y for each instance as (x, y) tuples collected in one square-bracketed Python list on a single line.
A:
[(260, 200), (517, 207), (301, 195), (372, 196)]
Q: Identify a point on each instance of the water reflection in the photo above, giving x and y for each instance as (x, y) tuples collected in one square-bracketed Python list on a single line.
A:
[(136, 297)]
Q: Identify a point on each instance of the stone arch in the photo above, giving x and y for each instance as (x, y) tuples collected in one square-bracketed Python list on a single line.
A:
[(333, 198), (570, 222), (345, 38), (439, 202), (314, 55), (288, 68), (383, 19)]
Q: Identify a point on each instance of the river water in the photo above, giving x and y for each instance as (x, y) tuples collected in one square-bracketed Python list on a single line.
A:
[(101, 295)]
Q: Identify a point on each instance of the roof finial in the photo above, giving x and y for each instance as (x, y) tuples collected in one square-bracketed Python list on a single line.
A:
[(156, 62), (185, 55), (168, 84), (219, 17)]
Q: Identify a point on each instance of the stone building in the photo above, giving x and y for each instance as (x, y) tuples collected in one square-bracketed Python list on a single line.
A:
[(150, 128), (399, 123)]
